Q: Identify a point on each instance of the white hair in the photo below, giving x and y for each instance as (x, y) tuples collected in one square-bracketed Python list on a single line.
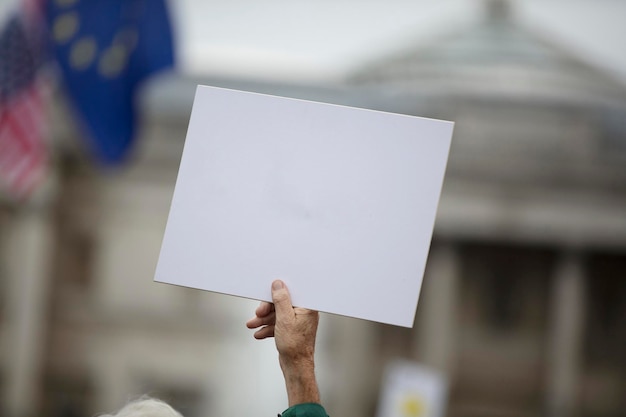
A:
[(146, 407)]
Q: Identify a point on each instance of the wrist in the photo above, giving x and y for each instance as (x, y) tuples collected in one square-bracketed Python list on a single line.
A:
[(300, 380), (297, 364)]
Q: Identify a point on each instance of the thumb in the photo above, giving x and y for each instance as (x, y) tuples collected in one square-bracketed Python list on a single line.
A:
[(281, 299)]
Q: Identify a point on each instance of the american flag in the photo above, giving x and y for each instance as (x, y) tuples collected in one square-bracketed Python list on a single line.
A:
[(23, 153)]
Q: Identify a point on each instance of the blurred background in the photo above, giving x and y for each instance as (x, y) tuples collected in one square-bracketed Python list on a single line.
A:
[(523, 306)]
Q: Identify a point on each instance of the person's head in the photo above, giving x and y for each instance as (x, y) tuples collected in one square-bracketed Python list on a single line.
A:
[(146, 407)]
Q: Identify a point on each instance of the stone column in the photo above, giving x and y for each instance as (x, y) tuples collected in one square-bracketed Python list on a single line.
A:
[(350, 386), (437, 309), (26, 260), (565, 336)]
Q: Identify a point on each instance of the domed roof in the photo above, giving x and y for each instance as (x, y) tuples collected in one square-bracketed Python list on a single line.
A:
[(494, 58)]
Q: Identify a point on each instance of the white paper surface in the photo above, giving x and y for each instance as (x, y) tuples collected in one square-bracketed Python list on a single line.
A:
[(412, 390), (338, 202)]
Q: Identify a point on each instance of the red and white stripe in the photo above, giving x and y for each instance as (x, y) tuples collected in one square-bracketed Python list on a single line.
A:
[(23, 154)]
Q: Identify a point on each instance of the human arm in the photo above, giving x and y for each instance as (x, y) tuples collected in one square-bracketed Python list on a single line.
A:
[(294, 330)]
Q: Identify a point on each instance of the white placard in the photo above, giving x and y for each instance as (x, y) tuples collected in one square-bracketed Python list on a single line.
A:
[(336, 201)]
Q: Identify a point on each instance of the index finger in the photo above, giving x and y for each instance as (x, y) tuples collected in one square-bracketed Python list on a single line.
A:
[(264, 309)]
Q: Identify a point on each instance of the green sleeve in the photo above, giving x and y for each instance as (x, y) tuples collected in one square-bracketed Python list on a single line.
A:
[(305, 410)]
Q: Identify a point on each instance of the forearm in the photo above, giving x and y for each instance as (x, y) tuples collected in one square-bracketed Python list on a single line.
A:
[(300, 381)]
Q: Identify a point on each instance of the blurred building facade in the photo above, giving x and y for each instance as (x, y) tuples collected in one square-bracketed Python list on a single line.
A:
[(524, 297)]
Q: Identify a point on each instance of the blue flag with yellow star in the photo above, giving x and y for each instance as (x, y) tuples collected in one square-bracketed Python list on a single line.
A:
[(105, 49)]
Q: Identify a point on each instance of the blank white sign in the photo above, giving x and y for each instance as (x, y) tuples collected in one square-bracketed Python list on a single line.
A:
[(338, 202)]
